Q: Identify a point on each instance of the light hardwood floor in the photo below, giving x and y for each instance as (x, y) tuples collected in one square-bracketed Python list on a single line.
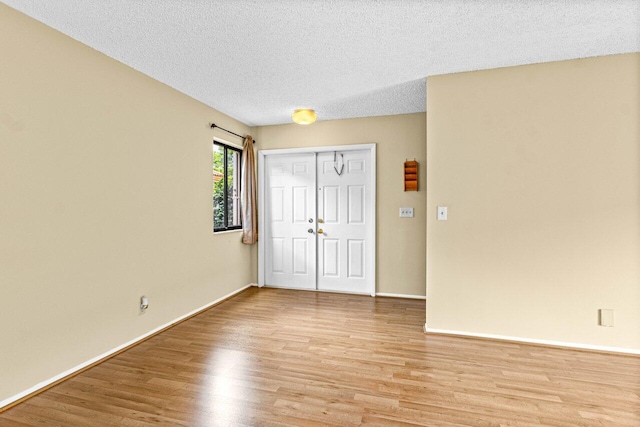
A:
[(278, 357)]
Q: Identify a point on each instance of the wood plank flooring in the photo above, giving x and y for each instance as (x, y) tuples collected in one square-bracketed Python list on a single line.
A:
[(272, 357)]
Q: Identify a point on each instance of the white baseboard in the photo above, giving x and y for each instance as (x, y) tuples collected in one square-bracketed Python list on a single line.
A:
[(96, 359), (534, 341), (377, 294), (384, 294), (315, 290)]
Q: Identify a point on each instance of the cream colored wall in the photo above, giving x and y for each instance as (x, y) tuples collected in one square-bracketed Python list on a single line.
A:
[(400, 242), (540, 169), (106, 186)]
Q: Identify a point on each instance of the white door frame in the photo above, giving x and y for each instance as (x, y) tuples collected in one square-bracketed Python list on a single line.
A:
[(371, 243)]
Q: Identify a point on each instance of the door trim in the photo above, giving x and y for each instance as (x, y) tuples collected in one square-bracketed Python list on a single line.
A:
[(371, 245)]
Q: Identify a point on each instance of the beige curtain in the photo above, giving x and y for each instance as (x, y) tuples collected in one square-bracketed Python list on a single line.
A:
[(248, 193)]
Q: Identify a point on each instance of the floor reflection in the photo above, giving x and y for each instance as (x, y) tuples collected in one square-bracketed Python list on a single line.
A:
[(225, 390)]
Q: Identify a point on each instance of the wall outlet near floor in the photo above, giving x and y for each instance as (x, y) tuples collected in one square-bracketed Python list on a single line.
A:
[(144, 304), (605, 317), (406, 212)]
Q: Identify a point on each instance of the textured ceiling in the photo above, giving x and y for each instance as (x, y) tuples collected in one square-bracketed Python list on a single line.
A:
[(257, 61)]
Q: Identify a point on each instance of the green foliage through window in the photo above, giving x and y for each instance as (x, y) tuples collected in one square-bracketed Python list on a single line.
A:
[(226, 187)]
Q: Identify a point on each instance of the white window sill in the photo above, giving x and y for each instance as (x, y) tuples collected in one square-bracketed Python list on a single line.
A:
[(227, 231)]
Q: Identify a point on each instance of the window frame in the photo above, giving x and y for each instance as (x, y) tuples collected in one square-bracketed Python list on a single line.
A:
[(226, 148)]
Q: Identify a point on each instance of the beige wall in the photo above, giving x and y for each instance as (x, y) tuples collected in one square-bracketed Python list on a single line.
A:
[(106, 186), (400, 242), (540, 169)]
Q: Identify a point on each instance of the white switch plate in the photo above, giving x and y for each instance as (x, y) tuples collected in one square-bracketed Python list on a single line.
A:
[(406, 212), (442, 213), (606, 317)]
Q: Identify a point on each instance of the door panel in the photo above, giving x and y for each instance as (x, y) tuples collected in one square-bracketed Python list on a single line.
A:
[(355, 258), (355, 204), (290, 256), (301, 256), (331, 204), (300, 214), (277, 252), (346, 222), (331, 257), (277, 204)]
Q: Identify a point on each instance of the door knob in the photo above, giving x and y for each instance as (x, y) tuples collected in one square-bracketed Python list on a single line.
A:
[(320, 221), (310, 231), (320, 231)]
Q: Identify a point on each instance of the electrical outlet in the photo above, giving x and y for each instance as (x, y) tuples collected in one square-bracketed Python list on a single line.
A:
[(144, 304), (406, 212)]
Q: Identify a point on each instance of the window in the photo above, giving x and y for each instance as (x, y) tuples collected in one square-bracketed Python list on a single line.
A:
[(226, 187)]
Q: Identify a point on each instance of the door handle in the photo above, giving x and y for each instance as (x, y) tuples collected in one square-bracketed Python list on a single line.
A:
[(320, 231), (310, 231), (320, 220)]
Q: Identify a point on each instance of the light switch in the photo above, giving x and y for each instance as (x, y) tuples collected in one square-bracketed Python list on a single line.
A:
[(442, 213), (606, 317), (406, 212)]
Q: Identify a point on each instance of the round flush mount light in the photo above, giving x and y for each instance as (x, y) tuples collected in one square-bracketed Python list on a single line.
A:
[(304, 116)]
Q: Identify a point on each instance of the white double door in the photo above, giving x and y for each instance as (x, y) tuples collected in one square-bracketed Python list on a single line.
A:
[(318, 221)]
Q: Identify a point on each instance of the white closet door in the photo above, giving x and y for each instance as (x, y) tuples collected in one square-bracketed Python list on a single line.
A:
[(345, 216), (290, 205)]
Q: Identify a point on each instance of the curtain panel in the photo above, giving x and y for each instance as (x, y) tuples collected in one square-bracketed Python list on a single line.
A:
[(249, 194)]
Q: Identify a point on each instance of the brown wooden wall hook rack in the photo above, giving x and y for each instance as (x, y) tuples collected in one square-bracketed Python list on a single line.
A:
[(411, 175)]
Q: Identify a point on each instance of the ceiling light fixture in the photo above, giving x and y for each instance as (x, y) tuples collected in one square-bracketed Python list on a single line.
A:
[(304, 116)]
